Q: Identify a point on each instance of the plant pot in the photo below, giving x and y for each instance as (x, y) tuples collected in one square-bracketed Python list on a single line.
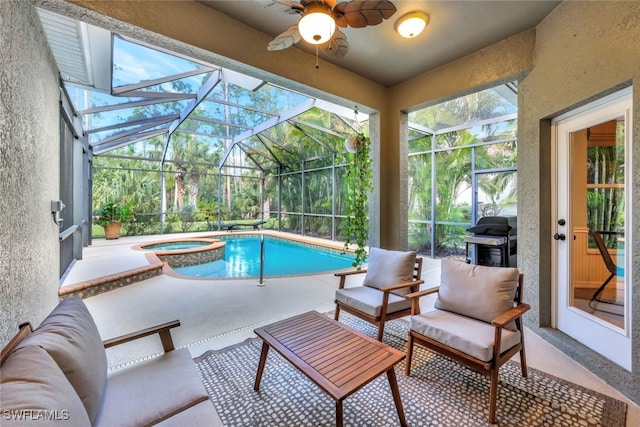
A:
[(112, 230), (353, 144)]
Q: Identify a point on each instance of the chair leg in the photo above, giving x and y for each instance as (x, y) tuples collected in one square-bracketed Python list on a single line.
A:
[(407, 362), (493, 395), (380, 331), (601, 288), (523, 363), (337, 313), (523, 358)]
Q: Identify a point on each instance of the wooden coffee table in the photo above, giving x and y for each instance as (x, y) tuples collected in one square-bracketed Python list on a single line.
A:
[(335, 357)]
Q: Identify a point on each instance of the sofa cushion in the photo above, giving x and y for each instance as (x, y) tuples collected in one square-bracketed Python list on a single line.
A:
[(465, 334), (149, 392), (71, 338), (476, 291), (369, 300), (390, 268), (35, 392)]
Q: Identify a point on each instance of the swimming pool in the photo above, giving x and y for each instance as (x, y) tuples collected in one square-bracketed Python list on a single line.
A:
[(282, 258)]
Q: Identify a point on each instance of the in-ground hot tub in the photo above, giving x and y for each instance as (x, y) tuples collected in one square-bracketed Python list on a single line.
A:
[(186, 252)]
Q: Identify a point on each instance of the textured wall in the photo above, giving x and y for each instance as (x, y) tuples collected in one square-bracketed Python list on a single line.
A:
[(29, 170), (583, 50)]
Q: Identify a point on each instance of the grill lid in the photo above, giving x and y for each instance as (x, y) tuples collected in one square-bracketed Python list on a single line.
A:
[(495, 226)]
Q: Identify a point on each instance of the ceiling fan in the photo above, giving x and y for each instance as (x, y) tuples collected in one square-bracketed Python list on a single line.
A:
[(319, 18)]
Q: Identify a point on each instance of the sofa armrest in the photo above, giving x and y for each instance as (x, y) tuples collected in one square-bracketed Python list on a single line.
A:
[(23, 331), (164, 330), (511, 315)]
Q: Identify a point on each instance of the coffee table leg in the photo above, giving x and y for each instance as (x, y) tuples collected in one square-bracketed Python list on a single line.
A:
[(263, 359), (339, 413), (391, 374)]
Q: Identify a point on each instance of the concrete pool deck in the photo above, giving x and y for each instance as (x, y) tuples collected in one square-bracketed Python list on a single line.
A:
[(218, 313)]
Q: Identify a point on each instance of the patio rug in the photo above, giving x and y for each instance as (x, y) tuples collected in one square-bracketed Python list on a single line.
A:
[(439, 392)]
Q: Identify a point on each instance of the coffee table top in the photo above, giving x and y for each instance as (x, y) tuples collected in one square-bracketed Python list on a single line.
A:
[(339, 359)]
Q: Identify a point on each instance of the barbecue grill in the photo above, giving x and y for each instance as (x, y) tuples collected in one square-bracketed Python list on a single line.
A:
[(494, 241)]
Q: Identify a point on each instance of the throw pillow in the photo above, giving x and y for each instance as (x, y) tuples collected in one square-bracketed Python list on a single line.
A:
[(387, 267), (476, 291)]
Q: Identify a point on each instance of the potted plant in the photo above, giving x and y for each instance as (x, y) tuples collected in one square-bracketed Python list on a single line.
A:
[(357, 187), (111, 216)]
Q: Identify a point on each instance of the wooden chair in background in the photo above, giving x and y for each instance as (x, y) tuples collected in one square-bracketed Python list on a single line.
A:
[(390, 275)]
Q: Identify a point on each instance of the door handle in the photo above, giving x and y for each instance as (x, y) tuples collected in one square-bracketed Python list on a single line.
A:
[(559, 236)]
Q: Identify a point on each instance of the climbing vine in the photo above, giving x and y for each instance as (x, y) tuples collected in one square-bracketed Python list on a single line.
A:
[(357, 187)]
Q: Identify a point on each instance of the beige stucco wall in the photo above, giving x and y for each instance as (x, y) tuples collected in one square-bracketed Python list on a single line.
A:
[(583, 50), (29, 147)]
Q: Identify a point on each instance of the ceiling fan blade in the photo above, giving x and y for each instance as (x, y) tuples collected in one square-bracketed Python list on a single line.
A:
[(329, 3), (285, 39), (293, 7), (337, 47), (359, 14)]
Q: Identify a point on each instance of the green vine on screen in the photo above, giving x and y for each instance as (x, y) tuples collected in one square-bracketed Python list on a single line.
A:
[(357, 187)]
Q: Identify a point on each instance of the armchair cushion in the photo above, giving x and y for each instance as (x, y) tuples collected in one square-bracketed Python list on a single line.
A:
[(388, 267), (467, 335), (369, 300), (70, 336), (477, 291)]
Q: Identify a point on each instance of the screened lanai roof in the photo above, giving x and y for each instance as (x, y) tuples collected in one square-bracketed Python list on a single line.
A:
[(136, 100)]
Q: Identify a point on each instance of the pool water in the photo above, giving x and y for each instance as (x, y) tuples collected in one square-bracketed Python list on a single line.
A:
[(176, 245), (282, 258)]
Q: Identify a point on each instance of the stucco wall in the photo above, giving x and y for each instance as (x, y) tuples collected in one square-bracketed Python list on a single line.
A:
[(29, 170), (583, 50)]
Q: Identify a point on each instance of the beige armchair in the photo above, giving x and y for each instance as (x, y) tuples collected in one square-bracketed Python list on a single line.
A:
[(390, 275), (476, 320)]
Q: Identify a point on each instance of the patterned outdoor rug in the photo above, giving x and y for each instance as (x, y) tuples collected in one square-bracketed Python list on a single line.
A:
[(439, 392)]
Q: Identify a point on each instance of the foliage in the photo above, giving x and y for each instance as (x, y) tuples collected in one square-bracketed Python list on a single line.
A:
[(114, 212), (357, 187), (187, 217), (453, 157), (605, 198), (209, 214)]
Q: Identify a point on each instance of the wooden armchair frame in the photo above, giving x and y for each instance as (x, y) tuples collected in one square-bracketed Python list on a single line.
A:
[(163, 330), (500, 357), (379, 321)]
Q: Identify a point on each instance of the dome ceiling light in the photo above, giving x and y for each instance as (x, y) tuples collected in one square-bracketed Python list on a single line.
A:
[(412, 24), (317, 25)]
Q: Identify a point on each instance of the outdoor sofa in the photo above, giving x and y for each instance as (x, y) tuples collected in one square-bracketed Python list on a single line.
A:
[(58, 374)]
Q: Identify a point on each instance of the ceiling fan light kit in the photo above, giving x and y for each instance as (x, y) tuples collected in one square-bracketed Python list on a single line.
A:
[(317, 25), (319, 19), (412, 24)]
